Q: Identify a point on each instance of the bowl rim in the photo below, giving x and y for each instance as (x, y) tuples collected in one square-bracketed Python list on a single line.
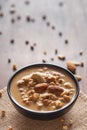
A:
[(43, 65)]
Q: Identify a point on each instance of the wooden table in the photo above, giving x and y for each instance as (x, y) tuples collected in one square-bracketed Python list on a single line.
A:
[(39, 31)]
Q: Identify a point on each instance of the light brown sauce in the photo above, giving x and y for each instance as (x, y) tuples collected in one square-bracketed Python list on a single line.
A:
[(62, 99)]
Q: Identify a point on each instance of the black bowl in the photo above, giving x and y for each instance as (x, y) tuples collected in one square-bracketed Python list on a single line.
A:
[(46, 115)]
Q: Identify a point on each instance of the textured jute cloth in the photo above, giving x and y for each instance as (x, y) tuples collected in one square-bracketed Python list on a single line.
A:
[(19, 122)]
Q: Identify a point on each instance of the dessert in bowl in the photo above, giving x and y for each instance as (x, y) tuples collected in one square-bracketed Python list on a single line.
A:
[(43, 91)]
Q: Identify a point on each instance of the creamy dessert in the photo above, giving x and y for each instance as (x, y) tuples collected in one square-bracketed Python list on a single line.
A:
[(43, 88)]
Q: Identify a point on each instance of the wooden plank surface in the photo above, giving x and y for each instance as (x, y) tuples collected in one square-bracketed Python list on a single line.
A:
[(23, 20)]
